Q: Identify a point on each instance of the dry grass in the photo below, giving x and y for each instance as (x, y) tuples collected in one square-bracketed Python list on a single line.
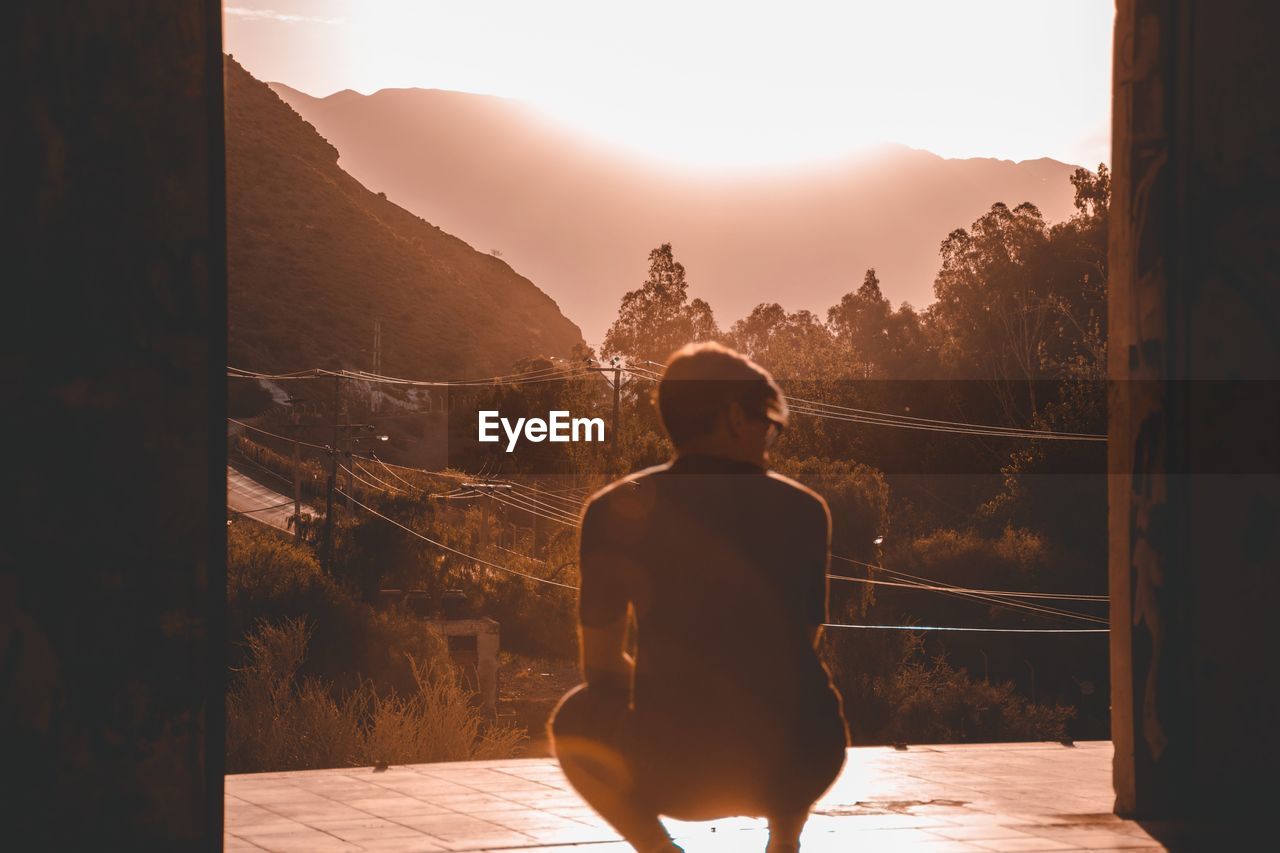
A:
[(277, 721)]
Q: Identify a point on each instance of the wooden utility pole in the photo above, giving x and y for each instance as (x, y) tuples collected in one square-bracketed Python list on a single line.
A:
[(488, 489), (297, 489), (351, 477), (333, 476), (617, 407), (377, 363), (616, 369)]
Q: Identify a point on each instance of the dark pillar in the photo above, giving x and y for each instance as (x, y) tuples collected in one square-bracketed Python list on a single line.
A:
[(1195, 350), (112, 555)]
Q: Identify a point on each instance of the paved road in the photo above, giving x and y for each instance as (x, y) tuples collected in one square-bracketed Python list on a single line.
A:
[(259, 502)]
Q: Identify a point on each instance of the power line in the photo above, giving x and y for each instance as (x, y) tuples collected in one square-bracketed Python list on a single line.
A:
[(374, 477), (455, 551), (965, 628), (541, 505), (913, 419), (545, 511), (1013, 606), (1010, 602), (846, 413), (550, 513), (511, 500), (977, 429), (356, 476), (549, 582), (926, 583), (277, 435), (829, 411)]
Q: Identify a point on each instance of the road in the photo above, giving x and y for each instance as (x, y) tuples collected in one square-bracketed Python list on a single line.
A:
[(257, 501)]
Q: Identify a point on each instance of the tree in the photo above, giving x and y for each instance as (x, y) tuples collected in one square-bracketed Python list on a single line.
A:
[(861, 325), (993, 308), (658, 318)]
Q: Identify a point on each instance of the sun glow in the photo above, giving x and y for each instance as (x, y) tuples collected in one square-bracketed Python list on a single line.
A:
[(710, 84)]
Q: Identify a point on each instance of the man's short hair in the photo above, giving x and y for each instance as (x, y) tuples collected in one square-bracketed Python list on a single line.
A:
[(701, 382)]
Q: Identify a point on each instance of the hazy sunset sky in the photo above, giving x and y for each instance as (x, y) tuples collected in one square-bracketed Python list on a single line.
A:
[(705, 84)]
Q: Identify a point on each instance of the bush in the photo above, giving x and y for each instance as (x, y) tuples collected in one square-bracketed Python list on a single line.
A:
[(934, 702), (893, 692), (277, 720), (273, 579)]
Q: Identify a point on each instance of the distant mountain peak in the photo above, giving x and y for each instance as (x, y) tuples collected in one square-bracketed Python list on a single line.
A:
[(580, 215)]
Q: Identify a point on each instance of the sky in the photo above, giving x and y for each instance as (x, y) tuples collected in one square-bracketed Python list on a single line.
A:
[(710, 85)]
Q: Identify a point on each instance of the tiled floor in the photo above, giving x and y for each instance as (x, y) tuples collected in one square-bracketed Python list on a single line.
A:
[(988, 797)]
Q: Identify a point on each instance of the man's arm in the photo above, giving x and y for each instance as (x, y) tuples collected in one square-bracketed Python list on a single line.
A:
[(602, 605), (818, 565), (604, 664)]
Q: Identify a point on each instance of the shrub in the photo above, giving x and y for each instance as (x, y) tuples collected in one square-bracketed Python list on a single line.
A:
[(278, 720), (271, 578), (934, 702)]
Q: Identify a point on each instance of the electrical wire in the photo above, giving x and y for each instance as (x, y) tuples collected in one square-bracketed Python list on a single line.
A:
[(555, 510), (388, 486), (574, 503), (323, 447), (1059, 596), (356, 476), (966, 628), (1012, 606), (993, 432), (523, 508), (830, 411), (546, 581), (455, 551), (394, 474)]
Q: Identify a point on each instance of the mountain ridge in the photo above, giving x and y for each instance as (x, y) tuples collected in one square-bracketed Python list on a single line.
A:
[(580, 216), (316, 257)]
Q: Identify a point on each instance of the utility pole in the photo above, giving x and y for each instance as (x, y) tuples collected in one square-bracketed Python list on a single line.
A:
[(351, 478), (616, 369), (488, 489), (617, 407), (333, 476), (297, 490), (377, 360)]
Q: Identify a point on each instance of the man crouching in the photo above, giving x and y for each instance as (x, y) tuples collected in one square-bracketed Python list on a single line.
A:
[(726, 708)]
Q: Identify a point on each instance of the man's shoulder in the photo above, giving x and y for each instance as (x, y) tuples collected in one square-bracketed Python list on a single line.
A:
[(803, 498), (623, 489)]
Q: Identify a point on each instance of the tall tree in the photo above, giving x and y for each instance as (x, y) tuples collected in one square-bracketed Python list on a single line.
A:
[(861, 325), (993, 307), (659, 317)]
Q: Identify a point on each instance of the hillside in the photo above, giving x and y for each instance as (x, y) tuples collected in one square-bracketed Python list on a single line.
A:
[(315, 257), (580, 218)]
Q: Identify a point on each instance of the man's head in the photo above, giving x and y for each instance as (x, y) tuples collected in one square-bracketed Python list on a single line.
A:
[(715, 400)]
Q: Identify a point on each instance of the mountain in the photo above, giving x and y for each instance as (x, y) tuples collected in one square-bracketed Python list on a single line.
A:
[(580, 217), (314, 258)]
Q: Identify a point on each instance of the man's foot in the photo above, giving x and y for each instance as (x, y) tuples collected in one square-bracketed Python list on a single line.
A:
[(784, 833)]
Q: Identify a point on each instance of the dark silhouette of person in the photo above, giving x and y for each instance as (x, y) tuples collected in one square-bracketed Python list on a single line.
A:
[(725, 707)]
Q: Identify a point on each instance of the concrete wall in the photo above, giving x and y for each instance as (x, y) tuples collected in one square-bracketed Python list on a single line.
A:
[(111, 561), (1195, 355)]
